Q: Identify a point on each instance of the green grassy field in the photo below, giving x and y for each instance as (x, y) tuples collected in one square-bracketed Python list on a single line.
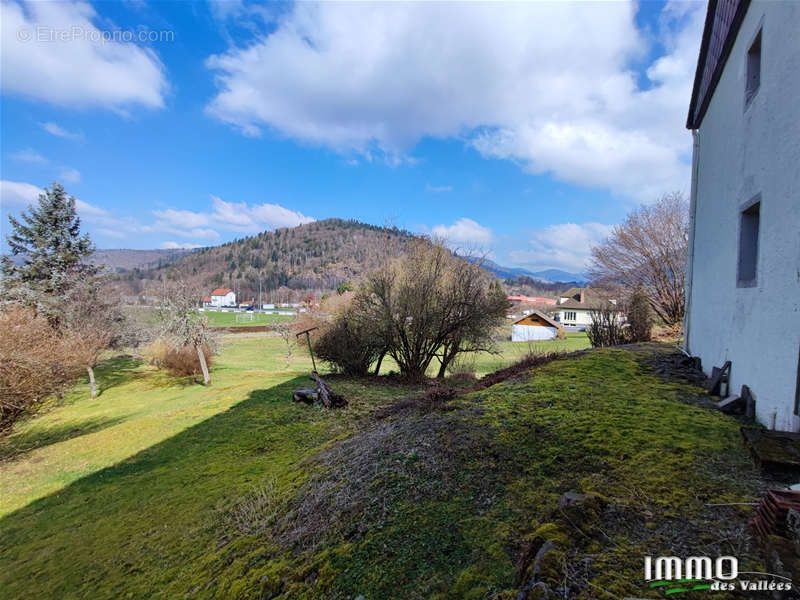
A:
[(161, 488), (140, 406), (228, 319), (511, 352)]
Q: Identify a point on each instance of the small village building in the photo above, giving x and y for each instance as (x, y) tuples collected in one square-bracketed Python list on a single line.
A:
[(534, 327), (221, 297), (575, 307), (743, 275)]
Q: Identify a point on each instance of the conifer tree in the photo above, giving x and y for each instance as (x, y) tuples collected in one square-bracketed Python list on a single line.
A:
[(48, 240)]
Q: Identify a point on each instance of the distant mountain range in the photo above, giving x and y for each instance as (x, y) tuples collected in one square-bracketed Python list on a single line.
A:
[(121, 260), (318, 255), (546, 275)]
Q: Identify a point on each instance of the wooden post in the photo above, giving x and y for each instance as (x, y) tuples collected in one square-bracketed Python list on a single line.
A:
[(308, 340)]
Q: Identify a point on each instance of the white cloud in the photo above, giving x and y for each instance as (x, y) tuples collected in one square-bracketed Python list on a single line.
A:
[(70, 175), (29, 155), (238, 216), (565, 246), (438, 189), (230, 216), (464, 231), (548, 85), (15, 195), (83, 70), (58, 131), (19, 195), (172, 245), (182, 218)]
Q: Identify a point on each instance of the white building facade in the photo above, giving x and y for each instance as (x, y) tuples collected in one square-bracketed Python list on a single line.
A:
[(743, 277), (579, 318), (223, 297), (535, 326)]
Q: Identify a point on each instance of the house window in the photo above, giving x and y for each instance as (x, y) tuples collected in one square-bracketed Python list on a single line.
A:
[(569, 315), (748, 243), (753, 69)]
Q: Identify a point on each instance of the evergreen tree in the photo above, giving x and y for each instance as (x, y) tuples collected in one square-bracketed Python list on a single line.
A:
[(47, 238)]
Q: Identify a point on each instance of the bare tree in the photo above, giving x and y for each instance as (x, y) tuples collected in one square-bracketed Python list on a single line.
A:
[(286, 331), (182, 324), (430, 305), (93, 319), (648, 251)]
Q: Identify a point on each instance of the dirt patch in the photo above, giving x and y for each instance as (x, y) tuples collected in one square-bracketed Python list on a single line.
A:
[(358, 480), (524, 365)]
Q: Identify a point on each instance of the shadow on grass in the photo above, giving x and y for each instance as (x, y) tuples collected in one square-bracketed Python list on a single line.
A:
[(124, 368), (17, 445), (115, 371), (130, 523)]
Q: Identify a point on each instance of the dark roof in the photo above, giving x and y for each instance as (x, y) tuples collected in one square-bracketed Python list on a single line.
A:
[(542, 316), (592, 300), (574, 292), (723, 19), (591, 304)]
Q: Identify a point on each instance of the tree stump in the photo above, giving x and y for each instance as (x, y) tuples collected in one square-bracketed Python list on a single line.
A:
[(323, 394), (307, 395), (327, 396)]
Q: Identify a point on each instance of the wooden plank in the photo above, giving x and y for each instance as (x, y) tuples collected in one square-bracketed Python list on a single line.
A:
[(772, 449), (718, 377)]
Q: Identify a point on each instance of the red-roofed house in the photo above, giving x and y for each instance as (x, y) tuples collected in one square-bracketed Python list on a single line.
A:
[(220, 297)]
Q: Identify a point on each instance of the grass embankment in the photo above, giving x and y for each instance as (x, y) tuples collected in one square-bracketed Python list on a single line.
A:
[(507, 352), (511, 352), (269, 499)]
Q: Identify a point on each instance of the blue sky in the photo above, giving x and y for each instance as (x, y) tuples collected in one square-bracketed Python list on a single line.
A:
[(525, 130)]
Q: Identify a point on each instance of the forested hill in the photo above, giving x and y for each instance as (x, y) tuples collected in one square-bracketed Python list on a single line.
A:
[(318, 255), (119, 261)]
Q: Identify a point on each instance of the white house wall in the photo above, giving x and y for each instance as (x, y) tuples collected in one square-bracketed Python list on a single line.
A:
[(228, 299), (582, 318), (740, 154), (529, 333)]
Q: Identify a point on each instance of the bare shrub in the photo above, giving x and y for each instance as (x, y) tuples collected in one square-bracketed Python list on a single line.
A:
[(431, 305), (180, 361), (607, 328), (463, 367), (640, 320), (37, 362), (349, 344)]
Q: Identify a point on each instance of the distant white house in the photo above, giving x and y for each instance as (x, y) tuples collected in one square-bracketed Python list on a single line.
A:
[(743, 276), (575, 307), (534, 326), (220, 297)]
